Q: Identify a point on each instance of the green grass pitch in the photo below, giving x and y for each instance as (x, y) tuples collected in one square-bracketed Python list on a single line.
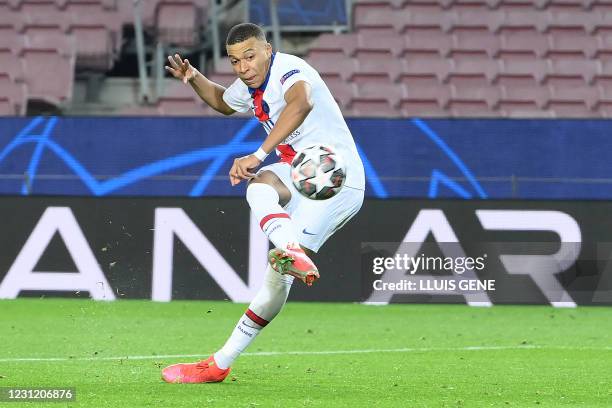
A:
[(312, 355)]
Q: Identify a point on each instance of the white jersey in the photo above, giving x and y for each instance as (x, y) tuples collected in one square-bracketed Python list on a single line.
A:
[(324, 124)]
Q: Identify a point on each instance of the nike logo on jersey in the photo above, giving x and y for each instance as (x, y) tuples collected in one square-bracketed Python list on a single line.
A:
[(306, 232)]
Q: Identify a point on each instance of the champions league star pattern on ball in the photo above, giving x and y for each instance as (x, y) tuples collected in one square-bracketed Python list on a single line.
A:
[(317, 172)]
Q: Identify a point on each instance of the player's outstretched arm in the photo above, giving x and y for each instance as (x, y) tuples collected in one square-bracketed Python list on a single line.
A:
[(210, 92)]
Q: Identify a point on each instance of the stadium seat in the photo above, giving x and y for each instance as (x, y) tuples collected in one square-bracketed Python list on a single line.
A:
[(106, 4), (343, 68), (603, 79), (459, 5), (374, 19), (434, 41), (94, 15), (603, 40), (523, 42), (525, 101), (519, 19), (603, 105), (11, 18), (47, 14), (476, 18), (11, 39), (473, 100), (398, 4), (573, 102), (177, 23), (147, 9), (473, 41), (94, 47), (94, 24), (49, 38), (572, 19), (425, 101), (521, 71), (478, 70), (571, 42), (380, 44), (413, 18), (571, 109), (376, 67), (578, 71), (48, 75), (377, 99), (425, 69), (13, 4), (6, 107), (601, 17), (576, 4), (505, 5), (12, 65), (15, 94), (372, 108), (335, 44), (604, 109)]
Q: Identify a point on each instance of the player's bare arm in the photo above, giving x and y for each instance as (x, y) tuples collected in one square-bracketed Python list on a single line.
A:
[(209, 91), (299, 105)]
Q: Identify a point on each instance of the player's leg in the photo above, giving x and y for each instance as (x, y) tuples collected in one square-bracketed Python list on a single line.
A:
[(273, 294), (264, 307), (324, 217), (268, 301), (267, 194)]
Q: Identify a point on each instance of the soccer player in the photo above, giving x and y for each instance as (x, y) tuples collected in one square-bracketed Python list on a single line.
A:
[(297, 110)]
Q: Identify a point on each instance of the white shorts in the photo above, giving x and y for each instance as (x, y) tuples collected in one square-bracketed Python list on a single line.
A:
[(316, 220)]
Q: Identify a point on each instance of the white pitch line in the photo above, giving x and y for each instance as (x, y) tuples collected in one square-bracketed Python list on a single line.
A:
[(307, 353)]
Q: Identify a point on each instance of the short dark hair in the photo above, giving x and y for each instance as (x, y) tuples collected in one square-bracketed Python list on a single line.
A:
[(244, 31)]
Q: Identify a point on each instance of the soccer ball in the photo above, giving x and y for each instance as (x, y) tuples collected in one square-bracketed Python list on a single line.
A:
[(318, 172)]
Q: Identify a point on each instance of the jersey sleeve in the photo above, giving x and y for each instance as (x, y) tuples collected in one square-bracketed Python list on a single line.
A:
[(234, 97), (291, 75)]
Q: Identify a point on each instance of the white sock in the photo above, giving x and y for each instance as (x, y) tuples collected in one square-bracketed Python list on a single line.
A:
[(244, 333), (265, 306), (273, 220)]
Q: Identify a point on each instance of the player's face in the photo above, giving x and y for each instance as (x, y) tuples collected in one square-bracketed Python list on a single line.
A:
[(250, 60)]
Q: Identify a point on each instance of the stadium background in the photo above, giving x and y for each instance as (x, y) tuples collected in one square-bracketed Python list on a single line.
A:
[(457, 107)]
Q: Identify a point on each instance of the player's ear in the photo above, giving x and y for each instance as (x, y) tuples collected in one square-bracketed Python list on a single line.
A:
[(268, 47)]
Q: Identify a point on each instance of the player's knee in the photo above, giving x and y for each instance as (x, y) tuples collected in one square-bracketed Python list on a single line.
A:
[(272, 180), (257, 191), (265, 177)]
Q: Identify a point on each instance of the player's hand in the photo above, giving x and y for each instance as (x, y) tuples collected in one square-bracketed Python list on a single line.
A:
[(181, 69), (243, 168)]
